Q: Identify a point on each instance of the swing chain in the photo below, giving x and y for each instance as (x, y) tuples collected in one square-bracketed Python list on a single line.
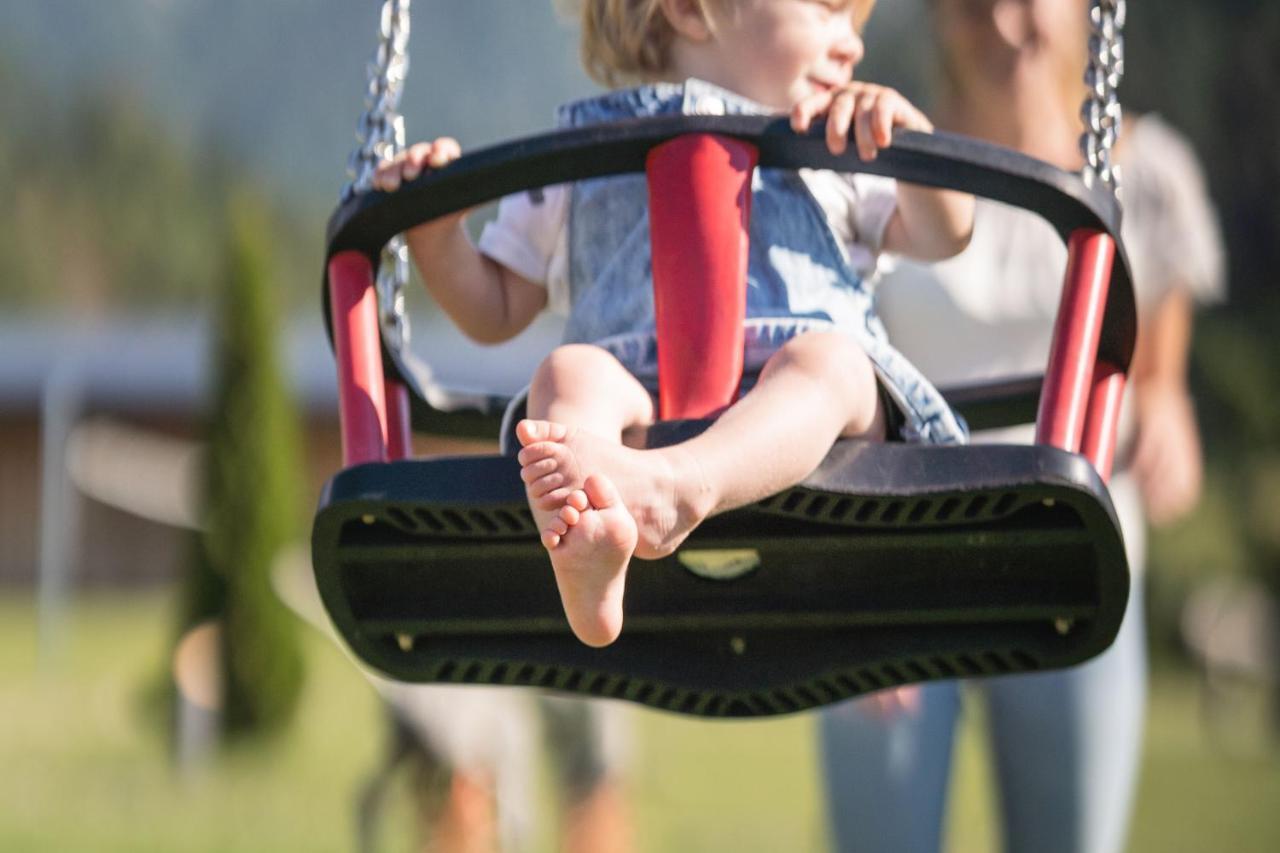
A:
[(1101, 109), (380, 134)]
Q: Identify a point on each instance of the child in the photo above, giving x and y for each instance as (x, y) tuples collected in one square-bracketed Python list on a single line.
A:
[(821, 366)]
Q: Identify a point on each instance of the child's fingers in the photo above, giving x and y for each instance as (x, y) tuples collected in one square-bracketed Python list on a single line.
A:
[(882, 121), (386, 176), (427, 155), (905, 115), (843, 108), (803, 113), (414, 158), (445, 150), (864, 133)]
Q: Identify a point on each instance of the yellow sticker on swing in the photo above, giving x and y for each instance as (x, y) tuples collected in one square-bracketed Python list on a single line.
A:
[(720, 564)]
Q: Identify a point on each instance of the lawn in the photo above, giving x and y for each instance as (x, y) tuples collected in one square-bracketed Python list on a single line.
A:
[(85, 768)]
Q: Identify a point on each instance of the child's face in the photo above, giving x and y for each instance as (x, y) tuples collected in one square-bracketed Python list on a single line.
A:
[(777, 52)]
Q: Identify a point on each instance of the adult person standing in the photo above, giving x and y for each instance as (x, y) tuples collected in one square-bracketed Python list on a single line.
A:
[(472, 751), (1066, 744)]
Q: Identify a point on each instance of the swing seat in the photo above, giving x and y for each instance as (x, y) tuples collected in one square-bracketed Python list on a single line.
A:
[(890, 564)]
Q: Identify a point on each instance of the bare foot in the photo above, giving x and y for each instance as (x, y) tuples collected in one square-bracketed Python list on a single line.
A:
[(591, 541), (661, 489)]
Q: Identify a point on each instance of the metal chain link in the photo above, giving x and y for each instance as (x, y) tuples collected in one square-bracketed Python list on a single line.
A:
[(1101, 108), (380, 134)]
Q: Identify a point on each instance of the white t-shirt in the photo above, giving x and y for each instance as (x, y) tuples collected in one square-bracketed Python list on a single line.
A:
[(530, 235), (989, 311)]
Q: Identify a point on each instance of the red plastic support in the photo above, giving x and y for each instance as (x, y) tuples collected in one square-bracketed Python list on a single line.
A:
[(1064, 398), (361, 396), (699, 211), (1098, 444), (399, 430)]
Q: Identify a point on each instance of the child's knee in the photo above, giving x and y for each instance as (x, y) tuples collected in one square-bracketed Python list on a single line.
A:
[(569, 366)]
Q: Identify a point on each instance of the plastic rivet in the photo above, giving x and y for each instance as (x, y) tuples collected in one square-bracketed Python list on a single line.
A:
[(405, 642), (368, 519), (738, 645), (1049, 502), (1063, 625)]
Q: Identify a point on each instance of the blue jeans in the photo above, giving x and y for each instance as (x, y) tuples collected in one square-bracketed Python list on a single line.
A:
[(1067, 746)]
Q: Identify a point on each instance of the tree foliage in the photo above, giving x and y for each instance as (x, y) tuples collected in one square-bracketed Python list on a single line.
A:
[(252, 488), (108, 208)]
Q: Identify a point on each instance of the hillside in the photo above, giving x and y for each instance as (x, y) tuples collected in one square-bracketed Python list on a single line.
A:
[(281, 83)]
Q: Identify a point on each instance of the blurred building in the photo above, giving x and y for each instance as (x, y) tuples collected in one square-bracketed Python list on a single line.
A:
[(100, 435)]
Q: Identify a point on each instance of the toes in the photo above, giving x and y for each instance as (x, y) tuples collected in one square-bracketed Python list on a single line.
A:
[(545, 485), (535, 471), (570, 515), (552, 500), (601, 491), (529, 431), (540, 450), (578, 500), (555, 532)]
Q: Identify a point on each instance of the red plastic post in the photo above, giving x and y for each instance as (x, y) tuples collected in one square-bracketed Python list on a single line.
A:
[(361, 397), (399, 430), (699, 210), (1098, 444), (1064, 398)]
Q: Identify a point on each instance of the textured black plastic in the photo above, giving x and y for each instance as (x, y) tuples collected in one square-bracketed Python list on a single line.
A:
[(890, 564), (368, 221)]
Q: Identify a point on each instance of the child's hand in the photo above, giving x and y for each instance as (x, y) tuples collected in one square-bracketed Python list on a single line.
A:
[(410, 163), (872, 111)]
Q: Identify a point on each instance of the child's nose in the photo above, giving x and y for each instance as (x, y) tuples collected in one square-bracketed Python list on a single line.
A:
[(847, 46)]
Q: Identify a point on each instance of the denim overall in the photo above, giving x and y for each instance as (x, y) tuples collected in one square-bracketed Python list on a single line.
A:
[(798, 279)]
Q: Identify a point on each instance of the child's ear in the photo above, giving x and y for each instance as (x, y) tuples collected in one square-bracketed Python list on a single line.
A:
[(688, 18)]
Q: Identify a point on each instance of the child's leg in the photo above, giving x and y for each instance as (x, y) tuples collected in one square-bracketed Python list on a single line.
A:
[(818, 387), (584, 387), (588, 389)]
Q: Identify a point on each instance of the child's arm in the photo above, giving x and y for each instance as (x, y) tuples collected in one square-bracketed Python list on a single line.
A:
[(929, 224), (487, 301)]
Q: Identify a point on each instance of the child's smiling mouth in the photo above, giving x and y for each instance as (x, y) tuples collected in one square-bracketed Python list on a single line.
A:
[(821, 84)]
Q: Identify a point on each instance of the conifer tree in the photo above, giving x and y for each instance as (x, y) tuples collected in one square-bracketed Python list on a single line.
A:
[(251, 489)]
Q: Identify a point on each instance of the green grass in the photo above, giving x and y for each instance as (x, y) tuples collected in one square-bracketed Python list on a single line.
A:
[(83, 765)]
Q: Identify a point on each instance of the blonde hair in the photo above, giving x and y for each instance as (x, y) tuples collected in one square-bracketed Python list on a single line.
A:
[(629, 41), (623, 41)]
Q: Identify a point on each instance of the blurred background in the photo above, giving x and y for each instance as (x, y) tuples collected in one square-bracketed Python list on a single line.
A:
[(167, 167)]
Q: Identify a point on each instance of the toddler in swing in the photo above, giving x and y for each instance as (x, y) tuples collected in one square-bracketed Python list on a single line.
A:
[(818, 366)]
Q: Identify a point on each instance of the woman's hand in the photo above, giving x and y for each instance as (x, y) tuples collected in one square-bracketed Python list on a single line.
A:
[(414, 160), (871, 111), (1166, 458)]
